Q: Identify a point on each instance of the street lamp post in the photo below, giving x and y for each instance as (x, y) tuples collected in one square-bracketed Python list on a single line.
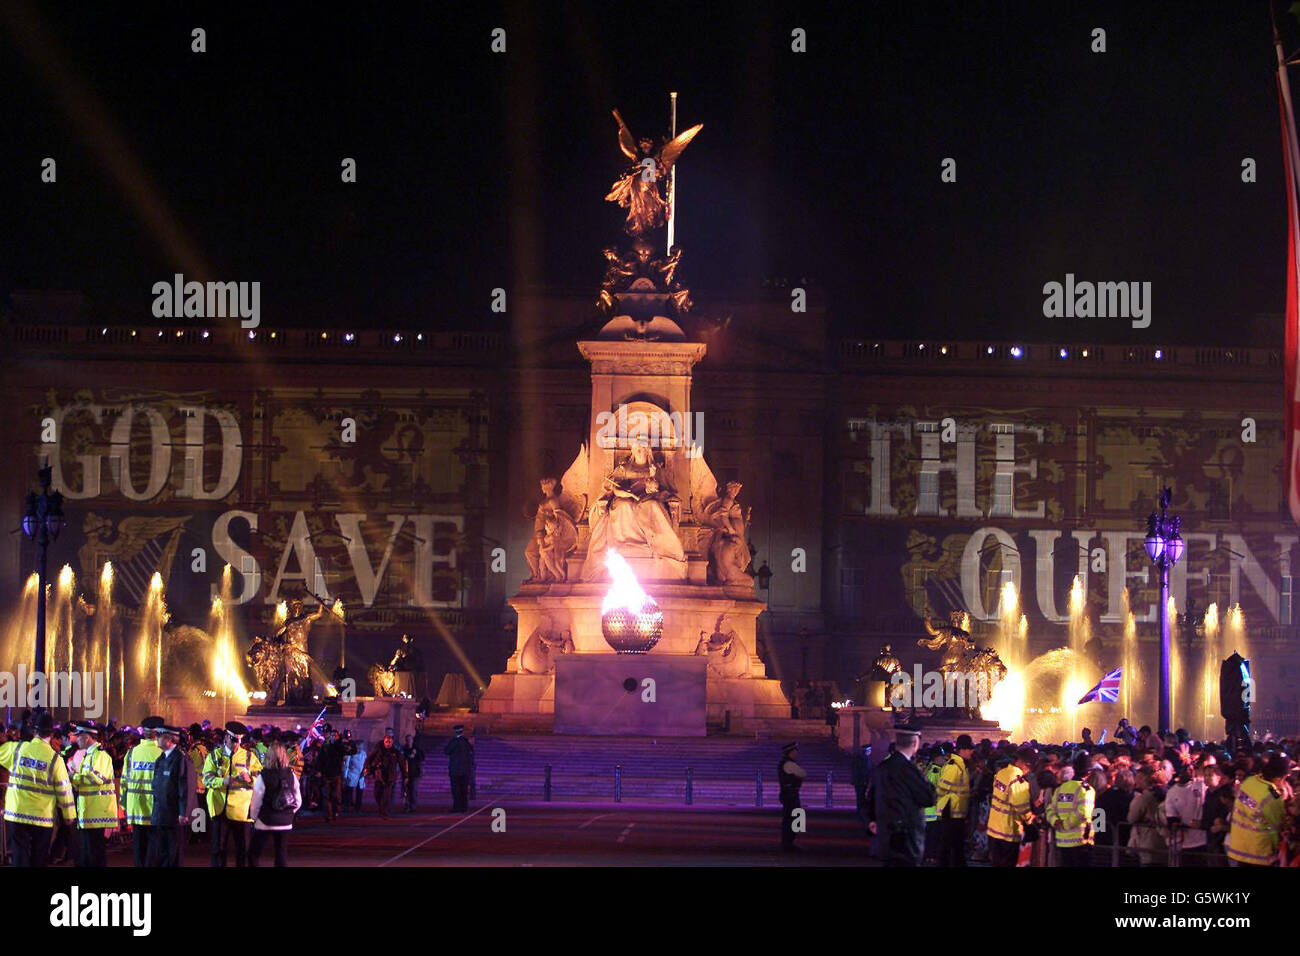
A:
[(1165, 547), (42, 522)]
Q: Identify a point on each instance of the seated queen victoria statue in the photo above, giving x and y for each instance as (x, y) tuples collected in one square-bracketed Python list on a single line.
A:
[(636, 516)]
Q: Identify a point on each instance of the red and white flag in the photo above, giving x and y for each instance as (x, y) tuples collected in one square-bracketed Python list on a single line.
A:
[(1107, 689), (1291, 160)]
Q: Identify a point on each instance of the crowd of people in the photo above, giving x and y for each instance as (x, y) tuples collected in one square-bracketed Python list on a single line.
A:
[(73, 790), (1140, 800)]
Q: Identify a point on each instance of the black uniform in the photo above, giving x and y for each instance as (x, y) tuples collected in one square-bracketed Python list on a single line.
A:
[(897, 796), (860, 774), (790, 784), (460, 761), (330, 765), (174, 798), (413, 758)]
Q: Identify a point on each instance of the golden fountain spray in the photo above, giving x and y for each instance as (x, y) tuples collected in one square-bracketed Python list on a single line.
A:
[(1209, 669)]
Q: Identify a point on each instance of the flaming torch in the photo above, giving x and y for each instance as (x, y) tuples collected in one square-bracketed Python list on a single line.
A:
[(629, 618)]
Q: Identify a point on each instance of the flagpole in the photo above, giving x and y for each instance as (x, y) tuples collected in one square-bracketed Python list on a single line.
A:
[(1291, 155), (672, 176)]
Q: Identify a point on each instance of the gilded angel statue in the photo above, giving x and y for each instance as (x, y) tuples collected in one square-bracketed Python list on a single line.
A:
[(640, 190)]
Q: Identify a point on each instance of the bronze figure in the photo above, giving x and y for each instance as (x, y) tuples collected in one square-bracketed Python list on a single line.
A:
[(640, 190)]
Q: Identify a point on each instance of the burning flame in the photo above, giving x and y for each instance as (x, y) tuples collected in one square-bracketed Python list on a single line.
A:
[(625, 591)]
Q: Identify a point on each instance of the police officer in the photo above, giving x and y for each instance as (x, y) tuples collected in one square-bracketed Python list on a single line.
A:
[(137, 790), (228, 779), (1257, 814), (413, 759), (954, 803), (1069, 814), (38, 788), (790, 777), (860, 773), (460, 761), (897, 797), (174, 797), (198, 755), (96, 789), (1010, 809), (930, 761)]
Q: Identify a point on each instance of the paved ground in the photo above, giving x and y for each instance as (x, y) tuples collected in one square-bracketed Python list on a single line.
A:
[(557, 835)]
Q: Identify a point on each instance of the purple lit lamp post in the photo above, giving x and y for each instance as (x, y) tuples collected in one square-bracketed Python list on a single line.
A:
[(1165, 547), (42, 522)]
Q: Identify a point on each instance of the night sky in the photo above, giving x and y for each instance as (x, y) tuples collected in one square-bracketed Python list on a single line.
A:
[(479, 170)]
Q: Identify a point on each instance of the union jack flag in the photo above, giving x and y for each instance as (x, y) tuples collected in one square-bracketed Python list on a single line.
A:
[(1107, 689), (315, 732)]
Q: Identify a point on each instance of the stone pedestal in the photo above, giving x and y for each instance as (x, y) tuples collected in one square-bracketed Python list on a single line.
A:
[(689, 611), (859, 726), (657, 695), (875, 726)]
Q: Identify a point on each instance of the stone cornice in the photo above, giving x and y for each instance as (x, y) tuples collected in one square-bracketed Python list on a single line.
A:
[(642, 358)]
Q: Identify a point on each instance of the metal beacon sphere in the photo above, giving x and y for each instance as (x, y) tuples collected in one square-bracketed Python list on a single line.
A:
[(633, 631)]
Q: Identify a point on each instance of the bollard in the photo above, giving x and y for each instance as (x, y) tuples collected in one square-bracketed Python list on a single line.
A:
[(618, 784), (830, 795), (546, 786), (690, 786), (758, 788)]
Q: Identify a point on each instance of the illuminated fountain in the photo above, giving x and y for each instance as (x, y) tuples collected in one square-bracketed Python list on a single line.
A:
[(101, 633), (1209, 682), (20, 630), (1013, 629), (1038, 699), (149, 648), (1131, 678), (1235, 638)]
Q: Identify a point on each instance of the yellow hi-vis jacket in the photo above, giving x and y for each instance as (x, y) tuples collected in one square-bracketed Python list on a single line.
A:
[(137, 782), (198, 754), (38, 784), (954, 788), (1010, 805), (1070, 814), (932, 777), (96, 790), (1256, 822), (227, 794)]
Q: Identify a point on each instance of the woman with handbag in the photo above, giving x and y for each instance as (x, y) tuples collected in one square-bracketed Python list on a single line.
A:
[(276, 798)]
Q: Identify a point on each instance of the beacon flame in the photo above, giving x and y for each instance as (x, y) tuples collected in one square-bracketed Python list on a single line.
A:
[(630, 620), (625, 592)]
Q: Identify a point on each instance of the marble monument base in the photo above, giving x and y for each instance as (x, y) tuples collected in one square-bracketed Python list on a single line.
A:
[(630, 695), (690, 612)]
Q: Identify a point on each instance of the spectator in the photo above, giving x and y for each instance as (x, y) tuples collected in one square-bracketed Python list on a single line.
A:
[(381, 768), (1146, 817), (276, 797), (1184, 811)]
